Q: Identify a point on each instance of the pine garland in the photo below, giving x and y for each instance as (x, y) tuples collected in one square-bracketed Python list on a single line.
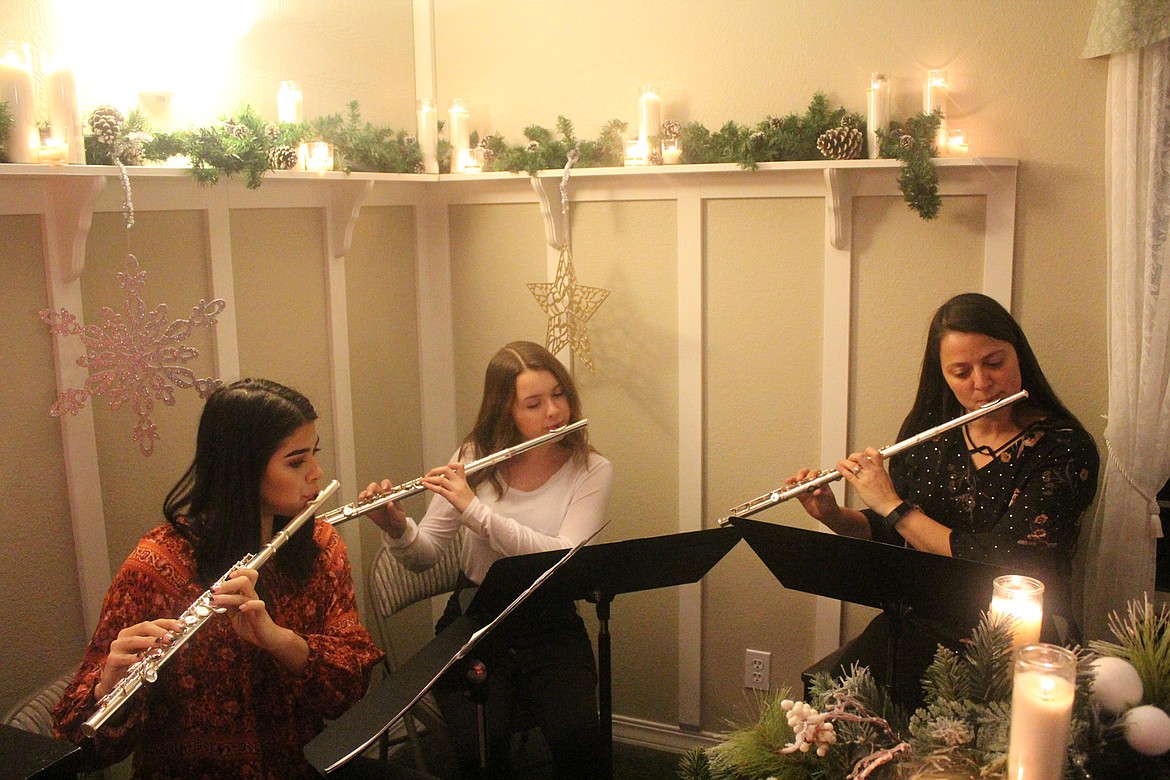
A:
[(362, 146), (912, 142), (545, 150), (244, 144), (6, 123)]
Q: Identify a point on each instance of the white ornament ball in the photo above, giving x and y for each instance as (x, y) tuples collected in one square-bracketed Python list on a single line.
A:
[(1147, 730), (1116, 684)]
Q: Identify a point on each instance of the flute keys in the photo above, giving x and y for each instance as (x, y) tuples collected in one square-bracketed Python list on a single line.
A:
[(202, 610)]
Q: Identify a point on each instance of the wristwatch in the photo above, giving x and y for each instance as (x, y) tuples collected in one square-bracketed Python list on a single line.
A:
[(898, 512)]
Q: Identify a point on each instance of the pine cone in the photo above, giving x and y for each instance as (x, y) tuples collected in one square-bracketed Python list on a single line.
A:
[(106, 124), (282, 158), (847, 121), (533, 146), (272, 131), (671, 130), (774, 122), (489, 153), (237, 130), (840, 143), (655, 157)]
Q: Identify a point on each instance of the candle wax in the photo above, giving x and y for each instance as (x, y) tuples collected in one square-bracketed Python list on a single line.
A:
[(1041, 714), (1028, 617)]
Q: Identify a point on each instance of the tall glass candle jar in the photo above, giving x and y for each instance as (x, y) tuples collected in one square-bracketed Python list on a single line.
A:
[(1043, 688), (877, 116), (16, 89)]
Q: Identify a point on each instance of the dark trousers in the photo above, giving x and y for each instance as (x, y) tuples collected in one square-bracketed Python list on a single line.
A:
[(540, 672)]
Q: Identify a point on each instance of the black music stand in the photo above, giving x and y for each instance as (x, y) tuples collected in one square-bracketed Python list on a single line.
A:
[(897, 580), (28, 756), (598, 574)]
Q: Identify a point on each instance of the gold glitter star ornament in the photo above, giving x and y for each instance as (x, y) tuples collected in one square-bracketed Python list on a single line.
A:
[(568, 306)]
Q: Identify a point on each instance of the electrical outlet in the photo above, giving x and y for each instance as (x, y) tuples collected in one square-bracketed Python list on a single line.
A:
[(757, 669)]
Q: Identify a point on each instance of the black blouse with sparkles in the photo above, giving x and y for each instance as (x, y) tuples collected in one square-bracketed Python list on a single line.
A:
[(1022, 510)]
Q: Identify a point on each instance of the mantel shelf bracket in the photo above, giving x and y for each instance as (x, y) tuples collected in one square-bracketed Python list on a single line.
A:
[(68, 216), (839, 203), (345, 203), (548, 192)]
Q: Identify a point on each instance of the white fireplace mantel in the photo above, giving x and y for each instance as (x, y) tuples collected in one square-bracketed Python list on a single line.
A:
[(67, 197)]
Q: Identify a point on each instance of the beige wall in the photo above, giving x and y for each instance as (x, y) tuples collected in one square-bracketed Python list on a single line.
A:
[(522, 63)]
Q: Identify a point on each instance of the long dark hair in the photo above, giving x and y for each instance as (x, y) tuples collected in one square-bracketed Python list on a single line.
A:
[(495, 429), (216, 504), (978, 313)]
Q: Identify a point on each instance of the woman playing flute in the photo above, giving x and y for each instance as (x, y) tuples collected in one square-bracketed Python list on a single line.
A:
[(1008, 488), (244, 695), (547, 498)]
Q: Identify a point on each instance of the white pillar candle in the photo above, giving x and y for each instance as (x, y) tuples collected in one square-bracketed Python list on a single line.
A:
[(1043, 688), (64, 111), (649, 115), (934, 95), (460, 133), (1022, 600), (877, 115), (290, 103), (428, 135), (16, 89)]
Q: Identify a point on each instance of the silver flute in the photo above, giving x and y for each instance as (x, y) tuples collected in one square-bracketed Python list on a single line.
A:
[(145, 669), (832, 475), (415, 486)]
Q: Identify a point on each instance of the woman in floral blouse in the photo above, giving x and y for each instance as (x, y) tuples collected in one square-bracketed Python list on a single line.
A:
[(245, 693), (1008, 488)]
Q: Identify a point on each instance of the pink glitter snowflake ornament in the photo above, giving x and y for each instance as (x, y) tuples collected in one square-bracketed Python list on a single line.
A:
[(134, 355)]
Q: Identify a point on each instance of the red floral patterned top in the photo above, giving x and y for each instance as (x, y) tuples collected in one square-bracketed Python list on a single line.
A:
[(222, 707)]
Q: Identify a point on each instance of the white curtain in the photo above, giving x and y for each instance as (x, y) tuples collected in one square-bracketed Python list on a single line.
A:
[(1122, 537)]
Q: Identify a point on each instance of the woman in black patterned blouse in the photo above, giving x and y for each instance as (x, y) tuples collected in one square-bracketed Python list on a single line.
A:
[(1008, 488)]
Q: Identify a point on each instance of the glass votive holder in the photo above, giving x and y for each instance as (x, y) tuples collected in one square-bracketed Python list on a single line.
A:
[(636, 153), (1043, 688), (671, 152), (1021, 599), (957, 145), (54, 147), (319, 157)]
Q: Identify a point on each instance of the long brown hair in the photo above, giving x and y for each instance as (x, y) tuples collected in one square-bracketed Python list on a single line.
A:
[(495, 429)]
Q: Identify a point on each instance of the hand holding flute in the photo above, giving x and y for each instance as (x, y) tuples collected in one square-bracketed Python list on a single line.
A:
[(449, 481)]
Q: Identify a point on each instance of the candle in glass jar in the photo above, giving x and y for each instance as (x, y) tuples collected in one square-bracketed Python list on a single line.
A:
[(460, 135), (636, 153), (320, 157), (290, 102), (877, 112), (1043, 688), (957, 143), (16, 89), (428, 135), (649, 115), (1022, 599), (671, 152), (934, 96), (64, 111)]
